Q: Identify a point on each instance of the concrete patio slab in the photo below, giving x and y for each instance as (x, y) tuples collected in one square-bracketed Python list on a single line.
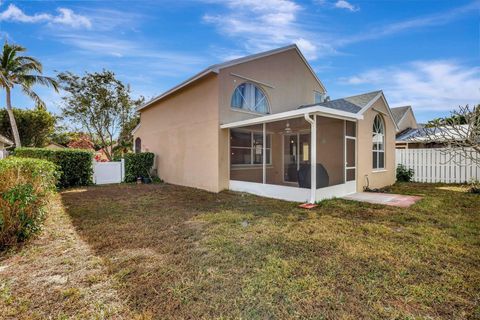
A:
[(389, 199)]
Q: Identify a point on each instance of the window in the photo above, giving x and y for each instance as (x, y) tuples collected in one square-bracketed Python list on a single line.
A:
[(378, 136), (318, 97), (248, 96), (138, 145), (246, 147)]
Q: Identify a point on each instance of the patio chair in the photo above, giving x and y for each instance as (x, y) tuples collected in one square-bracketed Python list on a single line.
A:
[(304, 177)]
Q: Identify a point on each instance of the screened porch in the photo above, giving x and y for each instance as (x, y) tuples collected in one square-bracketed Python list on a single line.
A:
[(303, 155)]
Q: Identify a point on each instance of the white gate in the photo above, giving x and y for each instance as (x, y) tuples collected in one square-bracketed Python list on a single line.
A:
[(3, 154), (439, 165), (108, 172)]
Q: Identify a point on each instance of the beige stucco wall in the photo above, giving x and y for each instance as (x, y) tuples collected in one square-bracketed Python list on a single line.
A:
[(290, 84), (380, 178), (183, 132)]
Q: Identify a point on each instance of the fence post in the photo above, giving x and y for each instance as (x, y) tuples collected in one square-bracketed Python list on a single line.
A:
[(122, 168)]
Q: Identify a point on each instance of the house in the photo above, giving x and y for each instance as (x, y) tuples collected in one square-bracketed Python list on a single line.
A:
[(404, 118), (4, 143), (413, 135), (262, 124), (54, 146), (407, 128)]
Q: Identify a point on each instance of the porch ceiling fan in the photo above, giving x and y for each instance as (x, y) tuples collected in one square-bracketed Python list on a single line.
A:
[(287, 128)]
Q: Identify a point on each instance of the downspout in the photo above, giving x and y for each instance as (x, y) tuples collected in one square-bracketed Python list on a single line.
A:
[(313, 160)]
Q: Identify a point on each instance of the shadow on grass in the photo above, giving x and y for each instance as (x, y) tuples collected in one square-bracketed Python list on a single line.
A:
[(177, 252)]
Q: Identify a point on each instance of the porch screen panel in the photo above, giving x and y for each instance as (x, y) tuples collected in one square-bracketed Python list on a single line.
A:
[(350, 143), (330, 151), (291, 153), (246, 153)]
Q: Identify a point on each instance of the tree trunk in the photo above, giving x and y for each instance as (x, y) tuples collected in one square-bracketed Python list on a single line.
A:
[(13, 123)]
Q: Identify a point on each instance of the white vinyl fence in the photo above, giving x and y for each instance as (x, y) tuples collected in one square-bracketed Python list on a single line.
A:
[(439, 165), (3, 154), (108, 172)]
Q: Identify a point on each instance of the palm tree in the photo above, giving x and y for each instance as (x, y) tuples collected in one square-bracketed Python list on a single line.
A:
[(24, 72)]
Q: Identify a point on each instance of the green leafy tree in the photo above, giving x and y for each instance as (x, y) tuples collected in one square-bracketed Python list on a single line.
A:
[(24, 72), (99, 103), (34, 126), (125, 138)]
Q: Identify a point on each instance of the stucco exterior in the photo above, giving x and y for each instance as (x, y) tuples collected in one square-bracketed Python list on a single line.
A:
[(407, 121), (377, 178), (183, 132), (286, 81), (183, 129)]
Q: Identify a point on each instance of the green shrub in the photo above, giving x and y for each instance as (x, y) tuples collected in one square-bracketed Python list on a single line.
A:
[(404, 174), (25, 187), (138, 165), (75, 165)]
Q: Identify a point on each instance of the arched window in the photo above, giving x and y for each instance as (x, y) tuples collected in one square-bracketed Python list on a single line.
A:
[(138, 145), (248, 96), (378, 135)]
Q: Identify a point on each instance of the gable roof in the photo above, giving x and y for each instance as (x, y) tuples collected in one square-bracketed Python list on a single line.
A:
[(217, 67), (353, 104), (399, 112), (6, 141), (436, 134), (357, 104)]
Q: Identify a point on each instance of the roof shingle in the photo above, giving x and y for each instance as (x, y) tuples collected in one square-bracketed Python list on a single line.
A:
[(351, 104)]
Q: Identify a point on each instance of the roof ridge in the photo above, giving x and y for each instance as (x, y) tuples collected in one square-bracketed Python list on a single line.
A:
[(362, 94), (216, 67), (253, 56)]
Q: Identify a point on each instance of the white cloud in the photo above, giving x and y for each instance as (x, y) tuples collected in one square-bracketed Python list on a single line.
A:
[(64, 17), (426, 85), (263, 25), (138, 53), (343, 4), (69, 18)]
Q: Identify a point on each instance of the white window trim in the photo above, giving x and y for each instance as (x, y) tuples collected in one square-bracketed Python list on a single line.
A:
[(315, 92), (248, 110), (378, 151), (252, 149)]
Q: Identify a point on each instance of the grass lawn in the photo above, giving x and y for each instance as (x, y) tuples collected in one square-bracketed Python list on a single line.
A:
[(162, 251)]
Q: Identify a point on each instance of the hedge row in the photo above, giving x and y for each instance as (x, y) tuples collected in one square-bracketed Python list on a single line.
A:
[(25, 186), (138, 165), (75, 165)]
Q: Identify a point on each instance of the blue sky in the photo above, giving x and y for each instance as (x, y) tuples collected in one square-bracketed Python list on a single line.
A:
[(422, 53)]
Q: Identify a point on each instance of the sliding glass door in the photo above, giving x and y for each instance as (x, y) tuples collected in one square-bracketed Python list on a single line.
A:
[(296, 152)]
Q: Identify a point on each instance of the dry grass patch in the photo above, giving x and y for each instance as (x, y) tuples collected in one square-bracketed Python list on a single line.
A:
[(170, 252)]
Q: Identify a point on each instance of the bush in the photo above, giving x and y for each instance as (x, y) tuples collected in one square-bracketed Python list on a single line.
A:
[(25, 186), (474, 186), (75, 165), (404, 174), (138, 165)]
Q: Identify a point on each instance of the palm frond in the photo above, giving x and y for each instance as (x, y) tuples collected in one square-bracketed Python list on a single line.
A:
[(30, 80), (26, 68), (29, 92)]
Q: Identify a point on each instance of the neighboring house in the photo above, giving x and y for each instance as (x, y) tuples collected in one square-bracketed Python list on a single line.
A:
[(405, 118), (413, 135), (213, 130), (436, 137), (4, 143), (54, 145), (407, 127)]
